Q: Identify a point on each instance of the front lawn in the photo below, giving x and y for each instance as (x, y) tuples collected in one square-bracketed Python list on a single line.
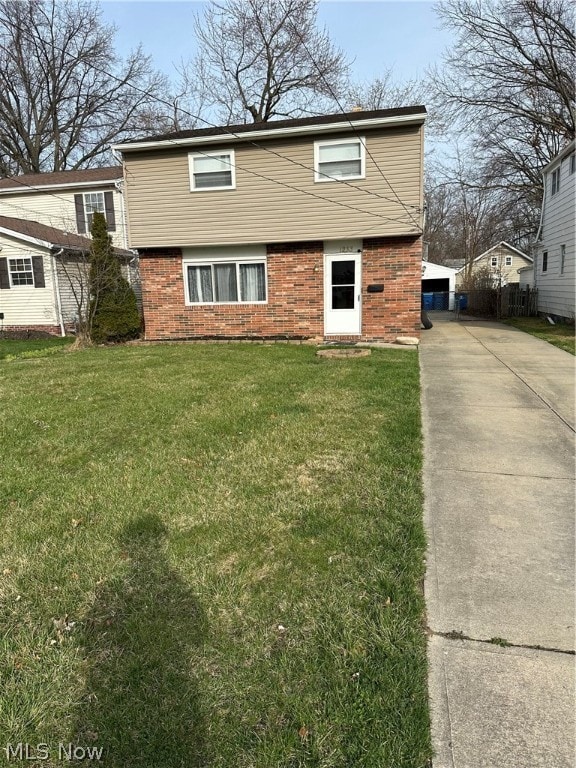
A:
[(561, 334), (212, 555), (10, 348)]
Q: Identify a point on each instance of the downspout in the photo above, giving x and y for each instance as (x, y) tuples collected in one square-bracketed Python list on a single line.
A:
[(57, 290), (538, 234)]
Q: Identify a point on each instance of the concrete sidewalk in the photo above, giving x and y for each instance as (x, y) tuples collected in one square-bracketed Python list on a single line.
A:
[(498, 413)]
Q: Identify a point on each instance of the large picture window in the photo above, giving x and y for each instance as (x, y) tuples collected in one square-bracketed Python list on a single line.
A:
[(226, 283), (212, 171), (335, 160)]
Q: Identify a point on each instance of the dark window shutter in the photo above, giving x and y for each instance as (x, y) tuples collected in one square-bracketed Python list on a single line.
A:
[(109, 208), (38, 271), (4, 276), (80, 216)]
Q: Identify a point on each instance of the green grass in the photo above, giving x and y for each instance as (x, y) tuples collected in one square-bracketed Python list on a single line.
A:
[(212, 555), (561, 335), (11, 348)]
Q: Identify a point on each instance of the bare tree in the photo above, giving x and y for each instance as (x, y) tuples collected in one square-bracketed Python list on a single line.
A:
[(64, 93), (384, 92), (509, 82), (261, 59), (465, 217)]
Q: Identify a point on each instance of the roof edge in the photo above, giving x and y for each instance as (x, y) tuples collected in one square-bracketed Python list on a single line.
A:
[(340, 122)]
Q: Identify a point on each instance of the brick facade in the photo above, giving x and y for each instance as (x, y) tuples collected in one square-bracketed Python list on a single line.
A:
[(295, 306)]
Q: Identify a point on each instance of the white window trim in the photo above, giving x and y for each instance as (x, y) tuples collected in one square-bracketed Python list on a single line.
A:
[(493, 261), (91, 213), (508, 261), (322, 178), (555, 175), (21, 258), (216, 153), (216, 261)]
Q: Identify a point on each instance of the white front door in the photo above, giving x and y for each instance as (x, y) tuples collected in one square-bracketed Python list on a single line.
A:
[(342, 294)]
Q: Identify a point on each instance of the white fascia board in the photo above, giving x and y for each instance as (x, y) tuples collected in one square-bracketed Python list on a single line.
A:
[(25, 238), (249, 136), (506, 245), (561, 156), (27, 188)]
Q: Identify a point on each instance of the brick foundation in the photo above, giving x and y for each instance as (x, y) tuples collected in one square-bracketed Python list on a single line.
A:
[(28, 331), (295, 307)]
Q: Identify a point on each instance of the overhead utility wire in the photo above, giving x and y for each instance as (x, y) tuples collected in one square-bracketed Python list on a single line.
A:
[(264, 148), (345, 115)]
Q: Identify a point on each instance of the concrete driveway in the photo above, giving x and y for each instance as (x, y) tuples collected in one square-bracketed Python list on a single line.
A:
[(498, 414)]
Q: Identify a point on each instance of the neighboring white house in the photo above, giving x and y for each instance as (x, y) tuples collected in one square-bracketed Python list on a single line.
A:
[(66, 200), (439, 282), (43, 276), (554, 268), (45, 221), (503, 262)]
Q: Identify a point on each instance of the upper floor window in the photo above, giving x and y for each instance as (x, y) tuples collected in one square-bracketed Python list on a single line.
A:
[(494, 261), (573, 162), (340, 159), (555, 181), (212, 170), (562, 258), (93, 202), (508, 261), (86, 206), (545, 261)]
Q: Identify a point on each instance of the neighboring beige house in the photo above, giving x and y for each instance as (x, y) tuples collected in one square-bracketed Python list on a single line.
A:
[(288, 229), (555, 263), (503, 262), (45, 221)]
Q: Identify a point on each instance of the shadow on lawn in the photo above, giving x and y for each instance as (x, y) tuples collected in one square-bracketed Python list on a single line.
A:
[(141, 703)]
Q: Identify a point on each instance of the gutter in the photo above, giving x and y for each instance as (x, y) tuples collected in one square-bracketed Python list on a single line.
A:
[(229, 136), (57, 289)]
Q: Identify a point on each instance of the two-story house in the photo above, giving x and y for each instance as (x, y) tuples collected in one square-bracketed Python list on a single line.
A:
[(290, 229), (45, 221), (555, 262), (501, 262)]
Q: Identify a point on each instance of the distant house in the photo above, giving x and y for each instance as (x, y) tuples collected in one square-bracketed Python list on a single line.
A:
[(290, 229), (554, 268), (45, 221), (42, 272), (502, 262)]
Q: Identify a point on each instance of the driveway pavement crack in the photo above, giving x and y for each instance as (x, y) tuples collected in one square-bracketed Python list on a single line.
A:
[(504, 474), (498, 641)]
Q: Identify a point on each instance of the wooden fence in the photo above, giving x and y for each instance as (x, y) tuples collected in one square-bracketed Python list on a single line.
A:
[(508, 301)]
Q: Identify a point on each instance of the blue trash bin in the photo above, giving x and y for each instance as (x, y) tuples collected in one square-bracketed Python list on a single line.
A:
[(463, 301), (427, 301)]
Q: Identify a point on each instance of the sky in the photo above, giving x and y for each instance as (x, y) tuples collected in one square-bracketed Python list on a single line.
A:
[(402, 35)]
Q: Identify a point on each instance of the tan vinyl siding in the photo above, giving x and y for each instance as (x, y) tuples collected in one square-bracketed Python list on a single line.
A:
[(276, 198), (505, 273), (56, 209), (23, 304)]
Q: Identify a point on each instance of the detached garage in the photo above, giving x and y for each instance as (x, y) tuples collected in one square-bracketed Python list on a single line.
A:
[(438, 286)]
